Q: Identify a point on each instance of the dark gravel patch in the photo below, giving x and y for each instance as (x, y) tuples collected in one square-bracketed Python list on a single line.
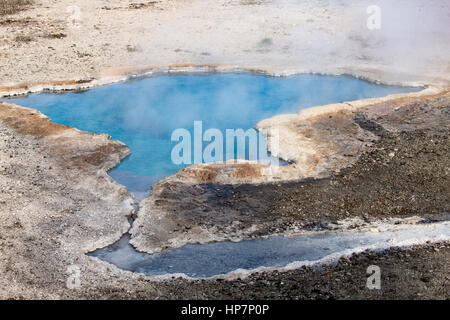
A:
[(404, 174)]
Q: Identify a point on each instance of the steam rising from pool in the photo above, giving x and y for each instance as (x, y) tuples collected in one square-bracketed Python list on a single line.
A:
[(144, 113)]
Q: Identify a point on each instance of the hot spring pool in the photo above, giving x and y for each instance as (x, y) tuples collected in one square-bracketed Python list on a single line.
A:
[(144, 113)]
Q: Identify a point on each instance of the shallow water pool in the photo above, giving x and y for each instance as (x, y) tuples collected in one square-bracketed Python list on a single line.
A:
[(206, 260)]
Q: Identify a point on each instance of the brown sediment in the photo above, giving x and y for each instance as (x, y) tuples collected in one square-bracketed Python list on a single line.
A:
[(209, 173), (65, 143), (29, 121)]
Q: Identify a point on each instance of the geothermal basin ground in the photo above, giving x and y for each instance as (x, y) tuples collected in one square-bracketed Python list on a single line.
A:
[(144, 113), (375, 166)]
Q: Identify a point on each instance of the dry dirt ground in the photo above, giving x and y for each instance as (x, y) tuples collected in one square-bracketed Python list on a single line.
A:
[(57, 202), (66, 40)]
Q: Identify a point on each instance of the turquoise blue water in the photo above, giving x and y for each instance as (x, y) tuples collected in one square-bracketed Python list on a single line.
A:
[(143, 113)]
